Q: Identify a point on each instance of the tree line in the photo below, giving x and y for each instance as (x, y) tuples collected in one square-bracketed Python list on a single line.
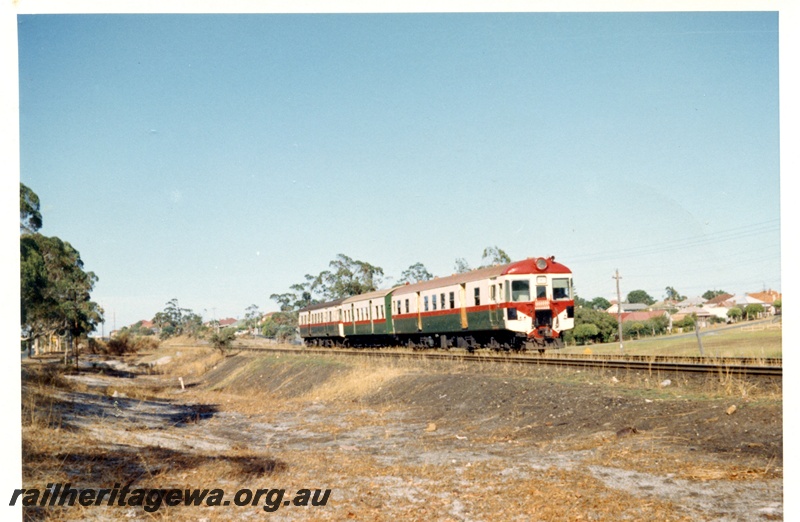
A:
[(344, 277), (55, 289)]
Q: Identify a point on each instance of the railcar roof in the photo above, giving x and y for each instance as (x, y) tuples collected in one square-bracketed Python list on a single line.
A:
[(326, 304), (455, 279), (526, 266), (369, 295)]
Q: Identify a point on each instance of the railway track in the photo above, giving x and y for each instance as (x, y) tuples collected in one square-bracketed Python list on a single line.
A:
[(724, 365)]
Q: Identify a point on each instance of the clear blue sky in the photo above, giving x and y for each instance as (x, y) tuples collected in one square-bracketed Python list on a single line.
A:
[(218, 159)]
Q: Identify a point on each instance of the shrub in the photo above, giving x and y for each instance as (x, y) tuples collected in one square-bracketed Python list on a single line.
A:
[(735, 313), (752, 311), (585, 332), (223, 339), (126, 343)]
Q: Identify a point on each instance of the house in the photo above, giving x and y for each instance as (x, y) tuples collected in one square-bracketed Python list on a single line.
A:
[(643, 316), (768, 298), (265, 316), (703, 315), (691, 302), (720, 300), (719, 311), (743, 300)]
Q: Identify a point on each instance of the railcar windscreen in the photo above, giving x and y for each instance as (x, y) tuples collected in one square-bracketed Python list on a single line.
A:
[(561, 288), (521, 290)]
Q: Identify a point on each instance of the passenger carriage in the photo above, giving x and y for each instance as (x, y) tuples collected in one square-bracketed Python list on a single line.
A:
[(526, 304)]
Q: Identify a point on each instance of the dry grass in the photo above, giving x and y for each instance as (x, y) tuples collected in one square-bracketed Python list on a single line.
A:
[(361, 380), (320, 427)]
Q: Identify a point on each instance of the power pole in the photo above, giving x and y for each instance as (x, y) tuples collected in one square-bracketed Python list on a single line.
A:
[(619, 312), (697, 333)]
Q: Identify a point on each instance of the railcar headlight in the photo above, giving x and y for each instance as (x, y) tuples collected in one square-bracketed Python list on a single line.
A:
[(541, 263)]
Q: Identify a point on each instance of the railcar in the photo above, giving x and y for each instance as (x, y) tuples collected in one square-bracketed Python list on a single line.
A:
[(527, 304)]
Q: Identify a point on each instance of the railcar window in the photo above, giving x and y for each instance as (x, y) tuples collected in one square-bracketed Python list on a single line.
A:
[(425, 299), (433, 302), (493, 293), (561, 288), (541, 292), (521, 290), (441, 301), (477, 297), (452, 299), (407, 309)]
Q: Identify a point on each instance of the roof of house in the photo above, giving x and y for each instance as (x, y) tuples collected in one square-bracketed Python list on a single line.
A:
[(627, 307), (642, 316), (768, 296), (746, 299), (699, 311), (719, 299), (691, 301)]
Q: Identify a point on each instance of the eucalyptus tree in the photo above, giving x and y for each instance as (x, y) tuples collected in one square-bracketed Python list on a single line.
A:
[(30, 218), (461, 266), (175, 320), (251, 317), (672, 294), (56, 291), (415, 273), (494, 256), (345, 278)]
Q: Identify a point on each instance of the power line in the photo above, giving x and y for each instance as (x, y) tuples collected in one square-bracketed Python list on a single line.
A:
[(683, 243)]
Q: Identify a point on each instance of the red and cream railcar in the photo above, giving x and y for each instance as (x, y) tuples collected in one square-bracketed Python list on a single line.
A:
[(526, 304)]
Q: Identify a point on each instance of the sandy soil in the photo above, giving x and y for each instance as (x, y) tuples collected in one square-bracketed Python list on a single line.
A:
[(414, 440)]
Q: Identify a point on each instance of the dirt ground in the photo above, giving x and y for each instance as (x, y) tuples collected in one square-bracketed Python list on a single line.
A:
[(406, 440)]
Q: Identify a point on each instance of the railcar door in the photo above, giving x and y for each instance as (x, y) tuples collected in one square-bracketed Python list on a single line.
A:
[(462, 296), (371, 318), (419, 312), (494, 320)]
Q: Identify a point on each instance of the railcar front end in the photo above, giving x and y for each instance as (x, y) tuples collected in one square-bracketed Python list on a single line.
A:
[(539, 302)]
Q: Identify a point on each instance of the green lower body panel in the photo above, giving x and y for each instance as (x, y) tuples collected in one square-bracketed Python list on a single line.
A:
[(448, 323)]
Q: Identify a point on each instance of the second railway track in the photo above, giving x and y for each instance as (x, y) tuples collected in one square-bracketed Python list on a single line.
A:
[(726, 366)]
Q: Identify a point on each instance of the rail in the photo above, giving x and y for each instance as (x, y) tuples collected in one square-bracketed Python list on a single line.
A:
[(725, 365)]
